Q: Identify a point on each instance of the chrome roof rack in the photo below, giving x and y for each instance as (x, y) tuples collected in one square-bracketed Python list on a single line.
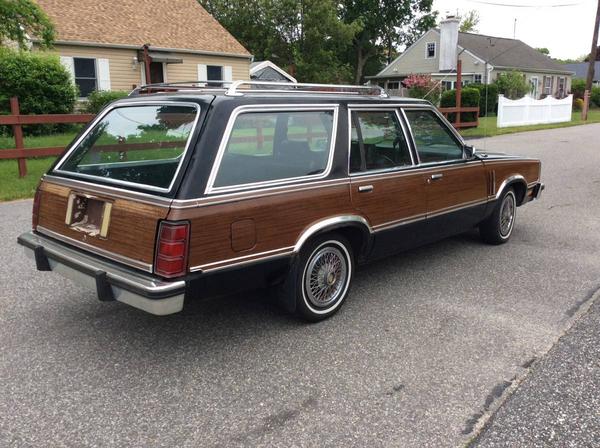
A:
[(236, 88)]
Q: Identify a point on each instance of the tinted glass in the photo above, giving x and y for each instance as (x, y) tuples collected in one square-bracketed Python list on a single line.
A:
[(139, 144), (435, 142), (377, 141), (267, 146)]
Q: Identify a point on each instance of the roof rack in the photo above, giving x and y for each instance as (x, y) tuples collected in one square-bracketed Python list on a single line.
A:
[(235, 88)]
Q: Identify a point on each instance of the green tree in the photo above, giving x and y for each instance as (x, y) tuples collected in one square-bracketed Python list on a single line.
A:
[(512, 85), (544, 50), (20, 18), (468, 23), (385, 25)]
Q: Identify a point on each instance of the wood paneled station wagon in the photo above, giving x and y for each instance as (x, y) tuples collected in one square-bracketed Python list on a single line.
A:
[(180, 191)]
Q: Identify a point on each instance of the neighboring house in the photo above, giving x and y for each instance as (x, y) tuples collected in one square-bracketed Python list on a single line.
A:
[(581, 70), (267, 71), (121, 44), (483, 59)]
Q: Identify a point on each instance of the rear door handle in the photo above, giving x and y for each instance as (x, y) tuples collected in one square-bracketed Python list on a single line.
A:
[(365, 188), (437, 176)]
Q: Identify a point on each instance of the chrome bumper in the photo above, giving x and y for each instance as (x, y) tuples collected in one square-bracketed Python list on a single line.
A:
[(110, 280), (537, 190)]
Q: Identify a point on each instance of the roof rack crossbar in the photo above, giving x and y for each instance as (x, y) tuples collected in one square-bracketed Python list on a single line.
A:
[(232, 88)]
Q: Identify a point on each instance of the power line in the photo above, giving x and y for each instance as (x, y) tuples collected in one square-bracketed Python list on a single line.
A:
[(520, 5)]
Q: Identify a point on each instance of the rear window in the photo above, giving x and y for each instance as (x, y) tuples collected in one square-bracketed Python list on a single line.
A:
[(274, 146), (137, 144)]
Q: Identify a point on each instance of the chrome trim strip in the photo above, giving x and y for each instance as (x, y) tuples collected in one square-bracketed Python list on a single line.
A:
[(412, 169), (88, 247), (455, 208), (318, 226), (107, 190), (400, 222), (210, 188), (293, 88), (118, 105), (209, 267)]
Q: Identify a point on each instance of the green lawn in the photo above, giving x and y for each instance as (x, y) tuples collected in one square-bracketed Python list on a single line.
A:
[(487, 125)]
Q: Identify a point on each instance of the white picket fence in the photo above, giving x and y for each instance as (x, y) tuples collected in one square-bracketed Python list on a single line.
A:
[(527, 111)]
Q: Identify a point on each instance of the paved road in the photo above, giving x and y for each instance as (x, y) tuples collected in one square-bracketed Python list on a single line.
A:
[(427, 346)]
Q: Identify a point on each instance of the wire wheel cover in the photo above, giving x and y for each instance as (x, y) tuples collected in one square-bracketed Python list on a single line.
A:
[(507, 215), (326, 276)]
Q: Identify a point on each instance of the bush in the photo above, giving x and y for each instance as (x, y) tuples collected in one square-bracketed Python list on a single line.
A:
[(578, 88), (98, 99), (422, 86), (469, 98), (41, 83), (512, 85), (577, 104), (595, 96), (492, 98)]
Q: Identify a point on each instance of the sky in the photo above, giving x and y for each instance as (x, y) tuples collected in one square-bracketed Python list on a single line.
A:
[(566, 31)]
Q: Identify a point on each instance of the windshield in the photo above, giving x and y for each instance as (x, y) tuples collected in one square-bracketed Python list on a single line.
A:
[(137, 144)]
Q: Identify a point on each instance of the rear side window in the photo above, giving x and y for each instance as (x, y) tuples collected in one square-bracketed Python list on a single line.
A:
[(137, 144), (273, 146), (434, 141)]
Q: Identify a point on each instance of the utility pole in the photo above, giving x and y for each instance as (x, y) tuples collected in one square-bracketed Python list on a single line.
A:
[(590, 74)]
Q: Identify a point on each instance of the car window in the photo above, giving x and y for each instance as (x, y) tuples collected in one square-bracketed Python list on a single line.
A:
[(269, 146), (434, 141), (377, 141)]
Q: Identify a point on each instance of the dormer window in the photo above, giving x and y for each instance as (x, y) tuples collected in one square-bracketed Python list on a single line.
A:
[(430, 50)]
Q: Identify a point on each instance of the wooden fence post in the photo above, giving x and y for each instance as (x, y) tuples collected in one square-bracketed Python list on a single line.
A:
[(18, 133)]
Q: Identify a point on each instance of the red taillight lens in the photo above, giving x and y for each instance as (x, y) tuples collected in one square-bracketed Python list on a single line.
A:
[(35, 214), (172, 249)]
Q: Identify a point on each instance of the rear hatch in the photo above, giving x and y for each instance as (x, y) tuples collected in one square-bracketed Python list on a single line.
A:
[(110, 190)]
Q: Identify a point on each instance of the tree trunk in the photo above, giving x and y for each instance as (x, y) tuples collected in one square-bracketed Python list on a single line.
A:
[(361, 60)]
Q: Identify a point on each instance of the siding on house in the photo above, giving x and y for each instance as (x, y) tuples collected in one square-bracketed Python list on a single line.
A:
[(125, 73)]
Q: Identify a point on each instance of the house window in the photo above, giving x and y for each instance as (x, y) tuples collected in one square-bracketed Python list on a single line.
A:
[(533, 82), (393, 85), (447, 85), (85, 75), (431, 49), (548, 85), (561, 87), (477, 79), (214, 73)]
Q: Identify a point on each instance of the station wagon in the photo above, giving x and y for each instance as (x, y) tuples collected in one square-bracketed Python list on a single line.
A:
[(182, 191)]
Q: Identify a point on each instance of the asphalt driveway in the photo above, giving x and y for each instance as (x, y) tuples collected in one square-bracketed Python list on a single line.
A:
[(427, 346)]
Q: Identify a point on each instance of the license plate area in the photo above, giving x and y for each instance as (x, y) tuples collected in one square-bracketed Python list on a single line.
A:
[(88, 214)]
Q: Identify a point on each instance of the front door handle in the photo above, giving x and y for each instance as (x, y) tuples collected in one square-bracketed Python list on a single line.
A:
[(365, 188), (437, 176)]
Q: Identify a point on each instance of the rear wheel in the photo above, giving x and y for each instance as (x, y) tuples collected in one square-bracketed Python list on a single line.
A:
[(498, 228), (322, 277)]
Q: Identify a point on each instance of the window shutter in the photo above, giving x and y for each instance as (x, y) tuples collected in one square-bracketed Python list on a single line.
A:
[(67, 62), (103, 74), (227, 73), (202, 76)]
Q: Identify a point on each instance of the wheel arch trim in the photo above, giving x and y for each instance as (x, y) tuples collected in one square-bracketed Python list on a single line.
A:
[(333, 223), (511, 180)]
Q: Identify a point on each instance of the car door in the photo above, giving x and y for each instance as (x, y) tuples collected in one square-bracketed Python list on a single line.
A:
[(456, 184), (384, 186)]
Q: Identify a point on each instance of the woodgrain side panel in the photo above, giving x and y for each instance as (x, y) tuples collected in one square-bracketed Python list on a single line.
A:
[(279, 221), (457, 186), (132, 228), (529, 169)]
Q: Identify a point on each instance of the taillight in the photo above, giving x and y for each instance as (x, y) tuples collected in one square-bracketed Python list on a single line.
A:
[(172, 249), (35, 213)]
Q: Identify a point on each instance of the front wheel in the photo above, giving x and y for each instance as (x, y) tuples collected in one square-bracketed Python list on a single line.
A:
[(498, 228), (323, 276)]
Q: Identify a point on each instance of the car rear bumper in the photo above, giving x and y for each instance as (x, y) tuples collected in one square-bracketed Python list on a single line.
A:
[(110, 280)]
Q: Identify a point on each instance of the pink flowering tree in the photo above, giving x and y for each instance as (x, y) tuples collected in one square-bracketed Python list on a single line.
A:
[(422, 86)]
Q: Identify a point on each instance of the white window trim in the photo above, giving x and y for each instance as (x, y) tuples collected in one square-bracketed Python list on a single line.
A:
[(427, 50), (72, 58)]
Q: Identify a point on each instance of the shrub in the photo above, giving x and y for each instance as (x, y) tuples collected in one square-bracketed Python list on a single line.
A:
[(578, 88), (512, 85), (422, 86), (98, 99), (41, 83), (577, 104), (469, 98), (595, 96), (492, 98)]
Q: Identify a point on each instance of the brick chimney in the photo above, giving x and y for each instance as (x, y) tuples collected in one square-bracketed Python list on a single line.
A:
[(448, 43)]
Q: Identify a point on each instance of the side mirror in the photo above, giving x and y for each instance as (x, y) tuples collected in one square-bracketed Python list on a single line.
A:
[(469, 151)]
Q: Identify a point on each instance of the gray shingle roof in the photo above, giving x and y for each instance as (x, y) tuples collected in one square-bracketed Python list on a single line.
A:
[(510, 53), (581, 70)]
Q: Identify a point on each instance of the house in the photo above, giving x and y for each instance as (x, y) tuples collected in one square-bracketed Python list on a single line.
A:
[(581, 70), (121, 44), (267, 71), (483, 58)]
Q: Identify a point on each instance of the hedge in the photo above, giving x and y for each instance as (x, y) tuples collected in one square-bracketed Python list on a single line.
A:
[(492, 98), (98, 99), (468, 98), (595, 96), (41, 83)]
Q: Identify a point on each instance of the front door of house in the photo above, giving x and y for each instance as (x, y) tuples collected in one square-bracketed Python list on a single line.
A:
[(156, 73)]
